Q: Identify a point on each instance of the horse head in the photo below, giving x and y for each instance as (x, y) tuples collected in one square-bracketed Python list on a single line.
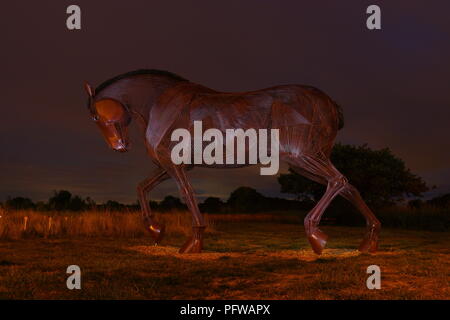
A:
[(112, 117)]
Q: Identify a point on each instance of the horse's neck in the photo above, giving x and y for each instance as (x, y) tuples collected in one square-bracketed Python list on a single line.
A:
[(141, 111), (138, 93), (141, 98)]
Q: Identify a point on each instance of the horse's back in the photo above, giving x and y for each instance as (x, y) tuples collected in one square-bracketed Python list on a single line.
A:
[(307, 119), (232, 110), (305, 116)]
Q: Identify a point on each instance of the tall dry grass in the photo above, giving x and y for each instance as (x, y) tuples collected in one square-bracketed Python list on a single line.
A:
[(34, 224), (128, 224), (24, 224)]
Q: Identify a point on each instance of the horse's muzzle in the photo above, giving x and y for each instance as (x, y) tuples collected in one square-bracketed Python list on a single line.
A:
[(120, 148)]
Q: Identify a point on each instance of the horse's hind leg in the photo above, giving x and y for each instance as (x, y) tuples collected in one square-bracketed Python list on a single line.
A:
[(156, 230), (320, 170), (195, 243), (349, 192), (370, 241)]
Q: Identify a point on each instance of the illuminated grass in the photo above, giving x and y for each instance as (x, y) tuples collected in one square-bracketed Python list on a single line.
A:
[(242, 260)]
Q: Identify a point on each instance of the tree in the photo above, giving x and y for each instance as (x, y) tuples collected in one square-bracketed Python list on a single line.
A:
[(416, 203), (246, 199), (442, 201), (114, 205), (212, 204), (77, 204), (171, 202), (60, 200), (381, 178), (63, 200), (90, 203), (154, 205), (19, 203)]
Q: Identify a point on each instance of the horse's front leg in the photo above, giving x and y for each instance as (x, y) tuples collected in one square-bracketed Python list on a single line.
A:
[(156, 230), (195, 243)]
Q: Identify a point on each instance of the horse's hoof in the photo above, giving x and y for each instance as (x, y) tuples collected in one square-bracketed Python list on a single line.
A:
[(368, 245), (157, 232), (195, 243), (192, 245), (318, 240), (370, 241)]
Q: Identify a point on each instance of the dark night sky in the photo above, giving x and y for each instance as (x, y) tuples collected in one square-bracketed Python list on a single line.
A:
[(393, 84)]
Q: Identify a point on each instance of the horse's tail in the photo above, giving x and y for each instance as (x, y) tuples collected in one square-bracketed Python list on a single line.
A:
[(340, 116)]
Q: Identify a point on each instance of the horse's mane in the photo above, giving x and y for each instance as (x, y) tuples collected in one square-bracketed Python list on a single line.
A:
[(154, 72)]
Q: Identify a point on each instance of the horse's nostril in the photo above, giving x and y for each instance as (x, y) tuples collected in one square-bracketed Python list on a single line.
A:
[(120, 148)]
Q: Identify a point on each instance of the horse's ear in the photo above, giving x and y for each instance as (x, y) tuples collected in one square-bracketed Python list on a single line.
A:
[(89, 89)]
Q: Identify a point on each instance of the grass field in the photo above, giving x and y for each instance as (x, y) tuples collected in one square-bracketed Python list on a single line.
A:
[(243, 259)]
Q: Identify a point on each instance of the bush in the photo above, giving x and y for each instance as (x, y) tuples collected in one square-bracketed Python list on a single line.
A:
[(424, 218)]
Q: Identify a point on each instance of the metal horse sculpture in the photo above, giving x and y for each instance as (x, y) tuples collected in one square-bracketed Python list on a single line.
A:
[(307, 120)]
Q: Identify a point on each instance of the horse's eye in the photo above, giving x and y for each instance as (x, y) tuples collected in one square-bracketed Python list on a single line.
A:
[(109, 110), (95, 117)]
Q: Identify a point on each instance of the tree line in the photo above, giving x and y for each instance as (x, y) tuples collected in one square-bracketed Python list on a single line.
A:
[(242, 200), (382, 179)]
